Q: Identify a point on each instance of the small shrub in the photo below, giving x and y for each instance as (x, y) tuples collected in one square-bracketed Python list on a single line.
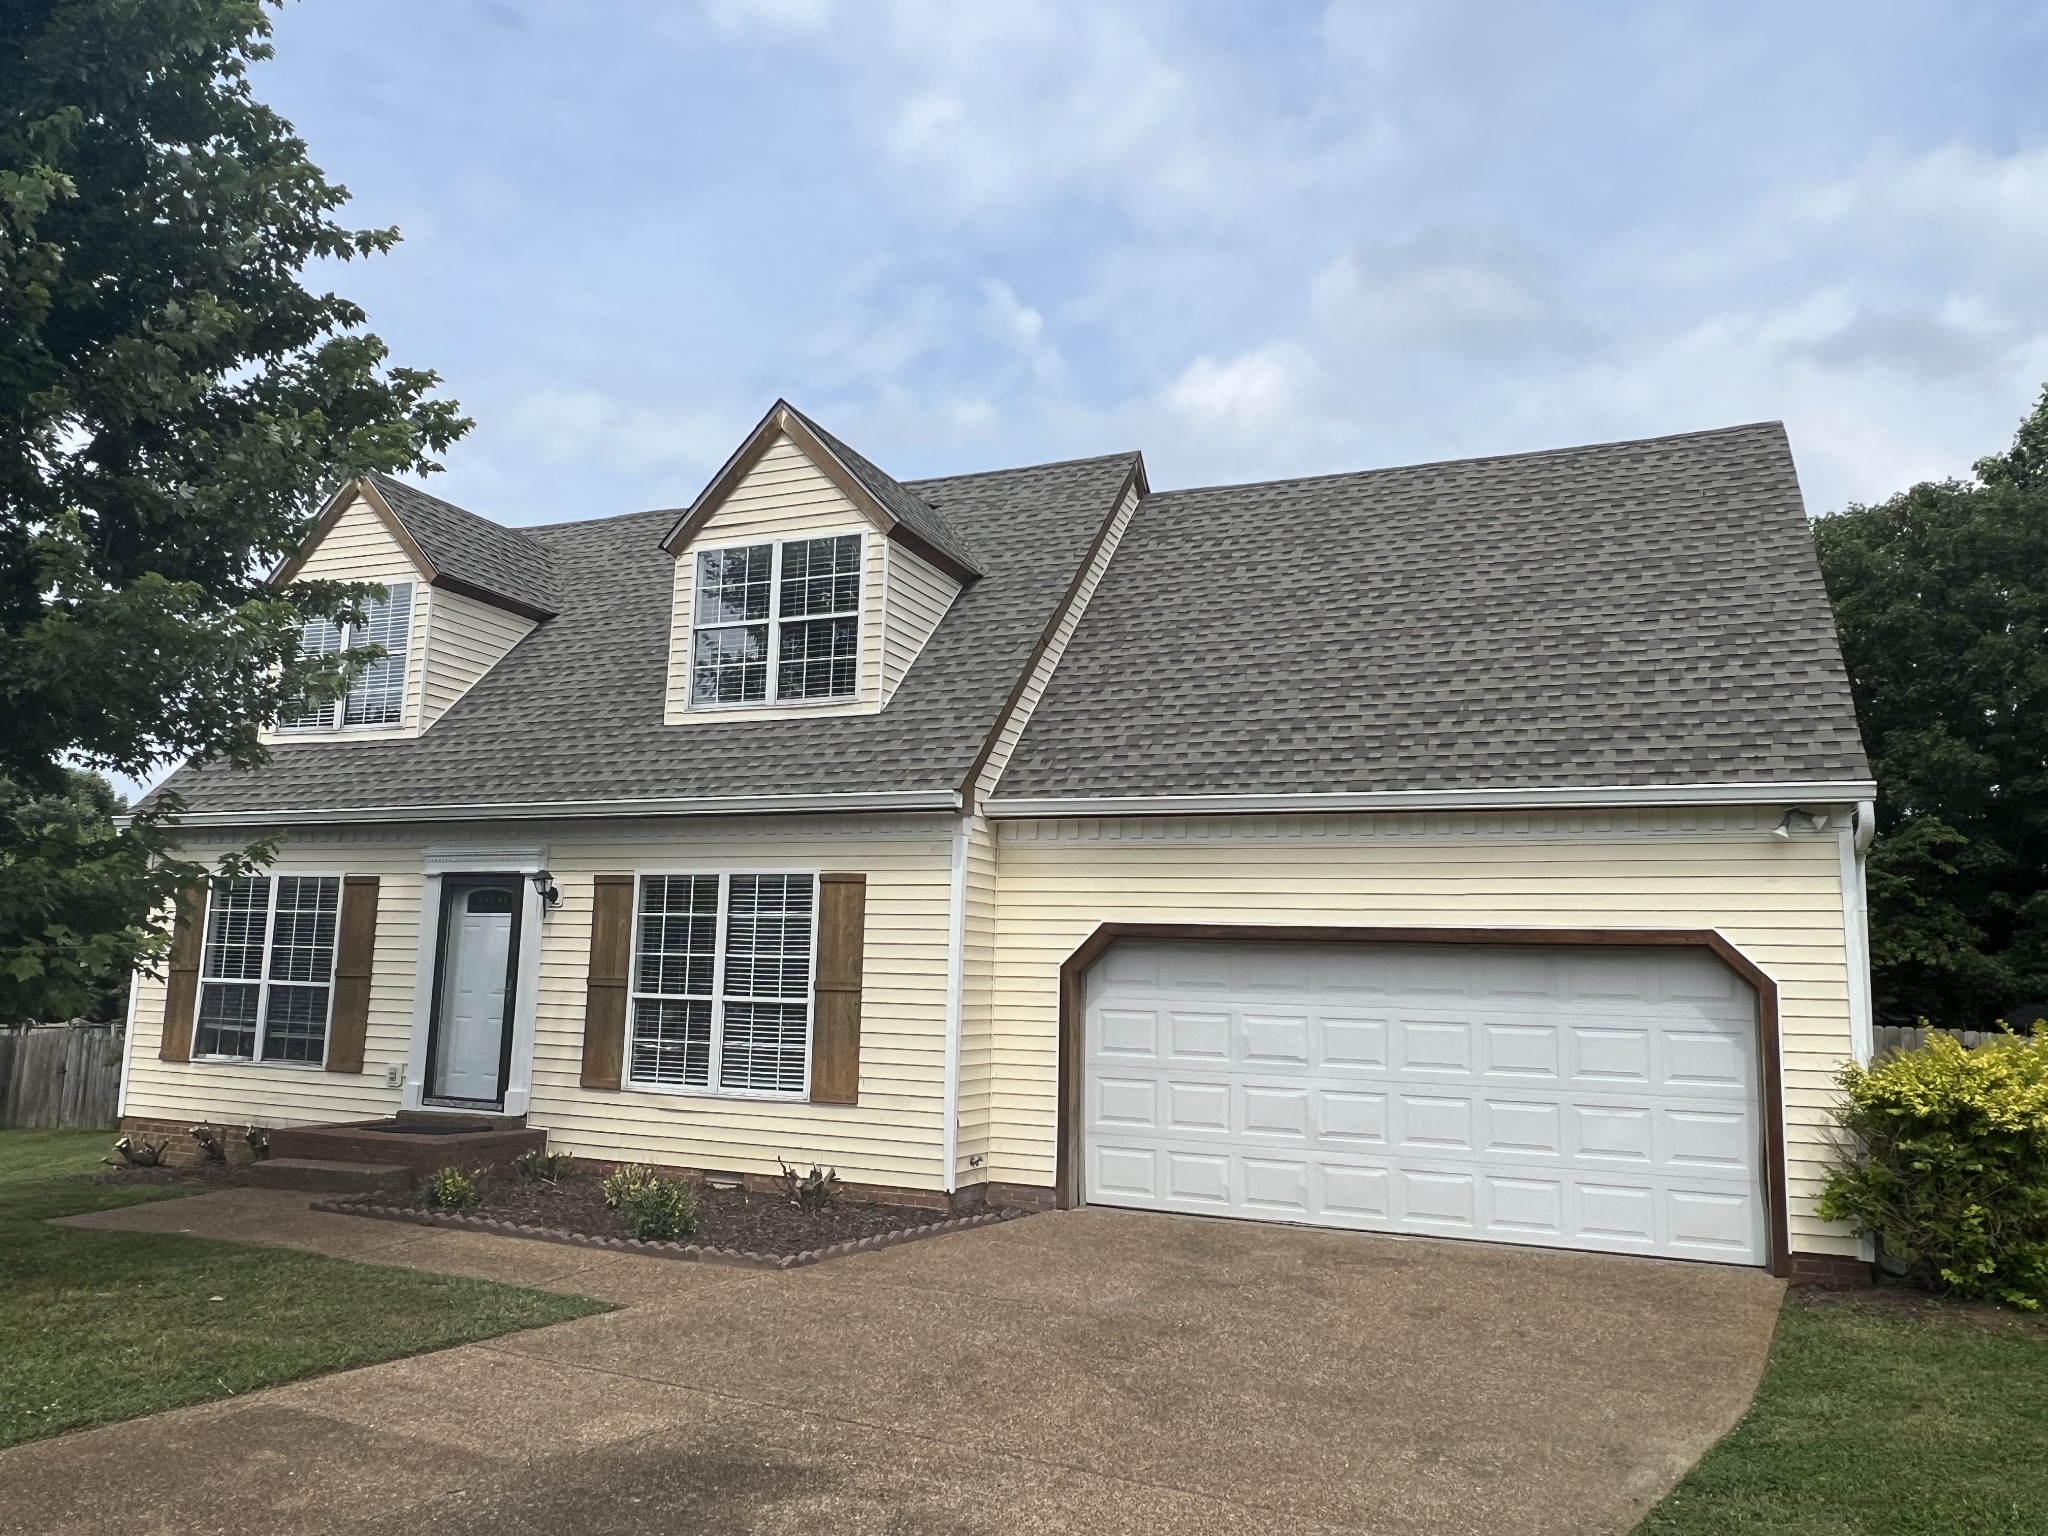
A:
[(544, 1167), (259, 1142), (140, 1154), (660, 1209), (451, 1189), (814, 1191), (1947, 1167), (210, 1145), (623, 1182)]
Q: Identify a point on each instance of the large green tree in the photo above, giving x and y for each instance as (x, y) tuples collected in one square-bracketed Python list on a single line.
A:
[(1941, 599), (174, 402)]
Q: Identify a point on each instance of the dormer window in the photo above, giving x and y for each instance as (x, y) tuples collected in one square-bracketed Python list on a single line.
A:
[(377, 696), (777, 623)]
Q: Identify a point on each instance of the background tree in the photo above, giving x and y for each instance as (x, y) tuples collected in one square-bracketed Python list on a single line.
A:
[(1941, 599), (174, 402)]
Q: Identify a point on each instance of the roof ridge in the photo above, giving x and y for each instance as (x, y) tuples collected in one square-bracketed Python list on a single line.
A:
[(1482, 458), (1124, 457)]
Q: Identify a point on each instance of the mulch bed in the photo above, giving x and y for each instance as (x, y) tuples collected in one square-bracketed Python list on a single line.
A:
[(733, 1225), (1895, 1301)]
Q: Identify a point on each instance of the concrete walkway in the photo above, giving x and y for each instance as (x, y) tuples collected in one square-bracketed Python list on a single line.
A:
[(1090, 1371)]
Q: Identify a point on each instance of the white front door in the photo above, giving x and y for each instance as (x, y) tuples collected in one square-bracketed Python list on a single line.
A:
[(1575, 1098), (479, 927)]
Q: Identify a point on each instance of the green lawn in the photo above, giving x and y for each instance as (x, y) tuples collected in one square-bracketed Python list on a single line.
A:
[(99, 1326), (1880, 1420)]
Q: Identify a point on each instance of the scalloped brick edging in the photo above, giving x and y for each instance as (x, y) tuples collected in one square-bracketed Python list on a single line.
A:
[(363, 1205)]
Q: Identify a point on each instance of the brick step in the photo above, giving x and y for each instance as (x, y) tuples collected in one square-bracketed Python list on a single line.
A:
[(328, 1175)]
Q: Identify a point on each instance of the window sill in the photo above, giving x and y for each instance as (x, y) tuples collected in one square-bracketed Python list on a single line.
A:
[(773, 704), (736, 1095), (251, 1061)]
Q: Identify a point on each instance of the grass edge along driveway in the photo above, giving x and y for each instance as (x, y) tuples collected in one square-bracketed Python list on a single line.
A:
[(1881, 1416), (97, 1327)]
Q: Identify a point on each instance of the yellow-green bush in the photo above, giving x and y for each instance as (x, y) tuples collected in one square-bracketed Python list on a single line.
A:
[(452, 1189), (1947, 1165)]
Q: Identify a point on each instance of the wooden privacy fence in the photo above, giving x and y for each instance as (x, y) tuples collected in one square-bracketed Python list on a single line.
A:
[(1906, 1037), (60, 1077)]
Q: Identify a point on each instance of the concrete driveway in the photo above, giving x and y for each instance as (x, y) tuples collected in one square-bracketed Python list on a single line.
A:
[(1088, 1371)]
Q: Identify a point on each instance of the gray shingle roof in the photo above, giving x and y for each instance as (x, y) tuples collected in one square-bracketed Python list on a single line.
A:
[(913, 511), (473, 550), (574, 712), (1640, 613)]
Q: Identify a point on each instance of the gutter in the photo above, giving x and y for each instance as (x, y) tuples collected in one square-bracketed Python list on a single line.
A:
[(1613, 796), (542, 810)]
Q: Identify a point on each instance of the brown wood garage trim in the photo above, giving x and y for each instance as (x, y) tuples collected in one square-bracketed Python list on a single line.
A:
[(1075, 970)]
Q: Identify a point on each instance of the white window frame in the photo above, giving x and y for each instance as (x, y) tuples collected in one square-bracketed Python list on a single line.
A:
[(263, 983), (773, 699), (634, 995), (336, 718)]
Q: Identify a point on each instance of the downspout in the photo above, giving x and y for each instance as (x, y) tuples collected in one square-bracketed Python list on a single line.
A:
[(956, 986), (127, 1046), (1854, 841)]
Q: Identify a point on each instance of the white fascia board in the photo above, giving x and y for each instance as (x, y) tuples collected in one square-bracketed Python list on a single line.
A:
[(1790, 792), (551, 810)]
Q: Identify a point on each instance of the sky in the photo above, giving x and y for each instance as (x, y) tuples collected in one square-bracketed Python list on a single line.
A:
[(1252, 240)]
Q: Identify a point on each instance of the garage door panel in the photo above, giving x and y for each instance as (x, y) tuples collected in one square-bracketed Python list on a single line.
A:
[(1274, 1039), (1520, 1052), (1524, 1128), (1432, 1200), (1523, 1210), (1197, 1107), (1200, 1178), (1194, 1037), (1353, 1041), (1432, 1123), (1558, 1102), (1276, 1111), (1128, 1032), (1437, 1047), (1351, 1117)]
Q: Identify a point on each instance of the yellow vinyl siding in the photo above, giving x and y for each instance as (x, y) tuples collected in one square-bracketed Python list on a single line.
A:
[(359, 547), (275, 1093), (1779, 902), (894, 1135), (1041, 674), (919, 593), (784, 496), (465, 639)]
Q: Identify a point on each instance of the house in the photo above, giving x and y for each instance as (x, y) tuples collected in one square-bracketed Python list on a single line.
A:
[(1469, 849)]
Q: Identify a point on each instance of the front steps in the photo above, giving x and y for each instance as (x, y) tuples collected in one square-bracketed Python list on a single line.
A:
[(328, 1175), (416, 1142)]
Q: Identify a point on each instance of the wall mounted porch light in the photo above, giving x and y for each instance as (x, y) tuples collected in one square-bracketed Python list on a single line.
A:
[(544, 887)]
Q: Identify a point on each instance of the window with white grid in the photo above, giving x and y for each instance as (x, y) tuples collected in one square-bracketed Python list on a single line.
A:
[(777, 622), (377, 697), (722, 983), (266, 968)]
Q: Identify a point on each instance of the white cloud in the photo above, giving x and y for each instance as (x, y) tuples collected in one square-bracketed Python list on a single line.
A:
[(560, 425)]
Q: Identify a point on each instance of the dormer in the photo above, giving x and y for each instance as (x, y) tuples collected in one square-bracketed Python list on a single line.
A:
[(459, 592), (806, 581)]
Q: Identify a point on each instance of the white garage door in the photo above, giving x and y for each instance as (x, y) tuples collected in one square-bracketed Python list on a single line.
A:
[(1579, 1098)]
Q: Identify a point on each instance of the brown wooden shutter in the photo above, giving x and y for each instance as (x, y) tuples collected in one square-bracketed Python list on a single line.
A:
[(604, 995), (181, 994), (352, 974), (835, 1031)]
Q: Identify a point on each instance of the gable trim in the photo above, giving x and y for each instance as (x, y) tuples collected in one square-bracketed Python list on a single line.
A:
[(782, 421), (1134, 479), (331, 514)]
